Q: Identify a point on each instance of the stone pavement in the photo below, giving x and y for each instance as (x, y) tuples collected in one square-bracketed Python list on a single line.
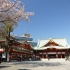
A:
[(52, 64)]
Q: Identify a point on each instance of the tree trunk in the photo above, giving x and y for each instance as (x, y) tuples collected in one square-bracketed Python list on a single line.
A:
[(7, 46)]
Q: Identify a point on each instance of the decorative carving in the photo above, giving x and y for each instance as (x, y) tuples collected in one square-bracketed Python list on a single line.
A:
[(51, 43)]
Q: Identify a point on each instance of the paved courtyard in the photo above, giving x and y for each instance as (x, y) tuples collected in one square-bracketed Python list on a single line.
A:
[(52, 64)]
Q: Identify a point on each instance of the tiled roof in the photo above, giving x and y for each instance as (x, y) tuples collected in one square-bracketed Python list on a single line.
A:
[(60, 41), (33, 44), (56, 47), (23, 38)]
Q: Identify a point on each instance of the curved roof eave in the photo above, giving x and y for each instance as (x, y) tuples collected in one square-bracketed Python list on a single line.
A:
[(56, 47)]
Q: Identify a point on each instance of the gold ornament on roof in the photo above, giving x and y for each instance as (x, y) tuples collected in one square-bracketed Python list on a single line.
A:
[(51, 40)]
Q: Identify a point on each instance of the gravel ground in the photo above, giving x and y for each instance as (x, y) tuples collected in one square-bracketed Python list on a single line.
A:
[(44, 64)]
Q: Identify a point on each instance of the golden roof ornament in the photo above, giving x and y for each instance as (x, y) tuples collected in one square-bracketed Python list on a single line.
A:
[(51, 40)]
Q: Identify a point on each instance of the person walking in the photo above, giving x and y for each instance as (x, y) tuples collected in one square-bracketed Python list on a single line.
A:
[(20, 58), (48, 58)]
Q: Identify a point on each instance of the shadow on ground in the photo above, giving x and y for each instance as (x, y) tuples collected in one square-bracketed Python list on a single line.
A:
[(3, 66), (37, 64), (23, 69)]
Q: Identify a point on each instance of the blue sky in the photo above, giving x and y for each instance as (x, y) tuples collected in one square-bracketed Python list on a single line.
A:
[(51, 19)]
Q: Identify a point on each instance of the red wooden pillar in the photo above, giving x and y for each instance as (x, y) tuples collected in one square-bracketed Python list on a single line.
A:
[(42, 56), (65, 54), (47, 54), (61, 55)]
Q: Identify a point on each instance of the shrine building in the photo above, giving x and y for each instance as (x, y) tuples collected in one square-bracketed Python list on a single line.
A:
[(53, 48)]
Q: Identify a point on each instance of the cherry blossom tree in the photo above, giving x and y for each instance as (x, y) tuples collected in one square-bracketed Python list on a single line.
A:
[(13, 11), (10, 13)]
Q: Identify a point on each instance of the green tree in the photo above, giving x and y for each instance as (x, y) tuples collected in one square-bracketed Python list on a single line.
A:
[(6, 29)]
